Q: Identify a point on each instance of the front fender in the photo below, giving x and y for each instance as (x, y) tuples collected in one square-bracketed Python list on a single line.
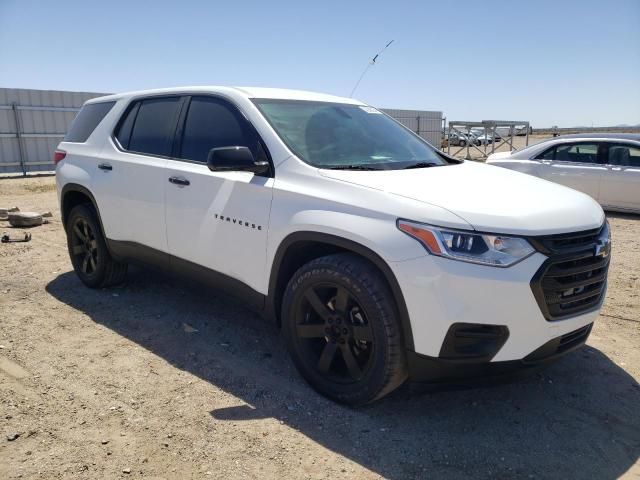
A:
[(378, 234), (275, 280)]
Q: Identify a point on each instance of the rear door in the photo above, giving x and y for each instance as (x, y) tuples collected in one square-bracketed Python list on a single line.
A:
[(218, 220), (620, 186), (132, 173), (576, 165)]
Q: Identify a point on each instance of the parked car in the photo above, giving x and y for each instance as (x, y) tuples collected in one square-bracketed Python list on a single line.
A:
[(605, 166), (379, 257), (483, 138), (458, 139)]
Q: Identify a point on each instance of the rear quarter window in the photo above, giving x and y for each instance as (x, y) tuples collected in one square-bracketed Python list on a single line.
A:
[(88, 118)]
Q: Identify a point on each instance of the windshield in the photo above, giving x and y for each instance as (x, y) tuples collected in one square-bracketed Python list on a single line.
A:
[(338, 135)]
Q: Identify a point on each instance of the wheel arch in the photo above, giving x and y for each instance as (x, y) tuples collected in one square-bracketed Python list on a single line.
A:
[(73, 194), (299, 248)]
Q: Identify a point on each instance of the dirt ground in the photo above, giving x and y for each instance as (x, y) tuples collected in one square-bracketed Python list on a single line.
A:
[(161, 379)]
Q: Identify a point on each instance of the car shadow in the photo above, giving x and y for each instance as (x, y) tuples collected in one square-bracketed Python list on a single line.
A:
[(579, 418), (623, 216)]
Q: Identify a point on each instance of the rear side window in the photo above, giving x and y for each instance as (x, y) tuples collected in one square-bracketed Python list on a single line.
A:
[(213, 123), (149, 126), (624, 155), (87, 120), (155, 126)]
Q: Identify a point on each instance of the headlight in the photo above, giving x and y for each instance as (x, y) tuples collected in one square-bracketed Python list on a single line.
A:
[(493, 250)]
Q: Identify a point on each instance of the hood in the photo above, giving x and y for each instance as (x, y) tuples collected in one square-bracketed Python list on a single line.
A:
[(490, 199)]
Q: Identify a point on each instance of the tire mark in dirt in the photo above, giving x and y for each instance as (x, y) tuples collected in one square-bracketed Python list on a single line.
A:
[(13, 369)]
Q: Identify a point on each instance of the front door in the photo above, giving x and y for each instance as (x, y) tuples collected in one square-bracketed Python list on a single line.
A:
[(218, 220), (575, 165)]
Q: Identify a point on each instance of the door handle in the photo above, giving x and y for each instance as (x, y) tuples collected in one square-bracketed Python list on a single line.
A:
[(179, 181), (105, 166)]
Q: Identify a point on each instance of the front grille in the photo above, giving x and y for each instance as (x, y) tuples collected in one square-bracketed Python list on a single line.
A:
[(574, 278), (567, 242)]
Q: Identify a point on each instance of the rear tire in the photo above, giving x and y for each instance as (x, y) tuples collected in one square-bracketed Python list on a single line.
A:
[(88, 250), (341, 327)]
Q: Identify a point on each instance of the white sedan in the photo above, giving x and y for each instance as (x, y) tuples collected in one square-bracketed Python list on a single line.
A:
[(605, 166)]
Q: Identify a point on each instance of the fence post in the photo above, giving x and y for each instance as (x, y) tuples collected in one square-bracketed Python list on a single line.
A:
[(493, 139), (21, 153), (444, 132)]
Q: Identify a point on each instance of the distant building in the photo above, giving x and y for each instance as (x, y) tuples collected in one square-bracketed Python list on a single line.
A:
[(427, 124)]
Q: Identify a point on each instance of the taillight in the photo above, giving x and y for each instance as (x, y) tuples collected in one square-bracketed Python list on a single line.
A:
[(58, 156)]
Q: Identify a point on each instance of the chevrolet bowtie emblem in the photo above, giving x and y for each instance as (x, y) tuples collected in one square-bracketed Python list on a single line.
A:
[(603, 249)]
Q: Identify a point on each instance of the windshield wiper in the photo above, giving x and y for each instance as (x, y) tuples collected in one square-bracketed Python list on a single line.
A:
[(352, 167), (422, 165)]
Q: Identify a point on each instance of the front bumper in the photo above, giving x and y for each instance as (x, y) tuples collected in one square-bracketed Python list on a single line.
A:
[(440, 293), (440, 371)]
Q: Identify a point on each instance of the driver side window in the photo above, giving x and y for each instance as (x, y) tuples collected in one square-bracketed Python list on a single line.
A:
[(213, 123), (572, 152), (547, 154), (577, 152)]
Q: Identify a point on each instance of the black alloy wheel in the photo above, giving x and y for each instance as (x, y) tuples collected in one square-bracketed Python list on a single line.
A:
[(84, 246), (333, 331), (341, 326), (88, 250)]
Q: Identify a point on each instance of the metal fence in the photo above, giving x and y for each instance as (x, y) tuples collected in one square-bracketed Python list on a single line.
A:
[(486, 136), (32, 123)]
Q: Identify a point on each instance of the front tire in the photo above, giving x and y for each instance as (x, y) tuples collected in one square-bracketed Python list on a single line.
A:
[(341, 327), (88, 250)]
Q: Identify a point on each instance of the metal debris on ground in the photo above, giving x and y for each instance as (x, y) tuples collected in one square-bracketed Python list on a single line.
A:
[(7, 239), (25, 219), (4, 212)]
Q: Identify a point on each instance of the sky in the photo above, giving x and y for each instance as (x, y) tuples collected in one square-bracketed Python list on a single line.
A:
[(561, 62)]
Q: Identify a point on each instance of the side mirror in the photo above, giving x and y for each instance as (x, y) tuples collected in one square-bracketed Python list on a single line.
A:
[(228, 159)]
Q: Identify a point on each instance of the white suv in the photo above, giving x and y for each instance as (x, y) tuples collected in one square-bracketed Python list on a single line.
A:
[(379, 257)]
